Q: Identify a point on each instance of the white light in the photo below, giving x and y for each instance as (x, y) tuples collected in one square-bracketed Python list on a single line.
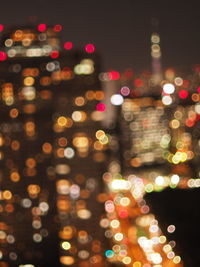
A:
[(69, 152), (178, 81), (116, 99), (159, 180), (44, 206), (197, 108), (175, 179), (120, 184), (167, 100), (156, 258), (168, 88)]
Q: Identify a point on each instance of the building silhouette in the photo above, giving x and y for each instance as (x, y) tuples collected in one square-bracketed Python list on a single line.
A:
[(52, 152)]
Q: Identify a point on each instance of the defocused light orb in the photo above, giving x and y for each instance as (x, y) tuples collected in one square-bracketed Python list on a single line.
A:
[(89, 48), (116, 99), (169, 88), (167, 100)]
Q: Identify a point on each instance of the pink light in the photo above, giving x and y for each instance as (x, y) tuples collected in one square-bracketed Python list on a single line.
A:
[(183, 94), (3, 56), (198, 89), (42, 27), (54, 54), (68, 45), (89, 48), (1, 27), (57, 28), (125, 91), (145, 209), (114, 75), (101, 107)]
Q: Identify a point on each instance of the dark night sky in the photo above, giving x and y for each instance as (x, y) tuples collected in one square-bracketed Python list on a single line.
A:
[(120, 29)]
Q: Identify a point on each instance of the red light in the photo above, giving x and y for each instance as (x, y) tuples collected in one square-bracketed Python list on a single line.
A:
[(1, 27), (101, 107), (89, 48), (197, 68), (114, 75), (57, 28), (190, 123), (42, 27), (3, 56), (123, 214), (135, 93), (128, 73), (54, 54), (183, 94), (197, 117), (198, 89), (138, 82), (185, 83), (68, 45)]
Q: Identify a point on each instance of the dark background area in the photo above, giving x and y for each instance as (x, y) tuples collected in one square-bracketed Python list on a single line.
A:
[(120, 29), (180, 208)]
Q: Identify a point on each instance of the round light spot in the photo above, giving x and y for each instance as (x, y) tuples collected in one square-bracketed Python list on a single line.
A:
[(117, 99), (169, 88)]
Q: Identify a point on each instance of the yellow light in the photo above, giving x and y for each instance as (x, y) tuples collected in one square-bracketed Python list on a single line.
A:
[(183, 156), (67, 260), (137, 264), (7, 194), (62, 121), (175, 124), (84, 214), (125, 201), (162, 239), (66, 245), (126, 260), (167, 248), (177, 259), (114, 223), (28, 81), (81, 142), (104, 140), (100, 134)]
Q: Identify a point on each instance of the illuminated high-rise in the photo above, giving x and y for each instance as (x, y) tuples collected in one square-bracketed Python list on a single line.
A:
[(52, 152)]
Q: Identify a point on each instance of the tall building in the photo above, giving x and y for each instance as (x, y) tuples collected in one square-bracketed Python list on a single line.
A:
[(144, 139), (52, 152)]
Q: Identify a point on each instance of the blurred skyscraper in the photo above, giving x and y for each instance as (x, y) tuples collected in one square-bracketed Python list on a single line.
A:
[(52, 152)]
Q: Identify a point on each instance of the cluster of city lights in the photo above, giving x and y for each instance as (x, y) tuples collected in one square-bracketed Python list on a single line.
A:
[(137, 238), (155, 130), (49, 134), (55, 151)]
